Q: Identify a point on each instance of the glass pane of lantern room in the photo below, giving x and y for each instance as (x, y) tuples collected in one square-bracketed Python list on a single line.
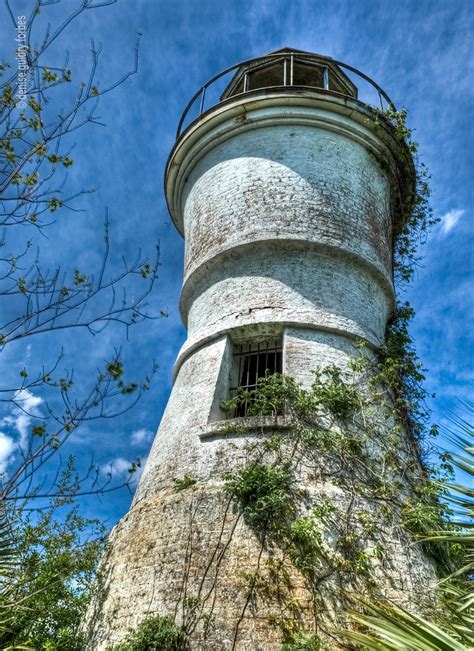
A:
[(267, 76), (305, 74), (239, 88), (335, 84)]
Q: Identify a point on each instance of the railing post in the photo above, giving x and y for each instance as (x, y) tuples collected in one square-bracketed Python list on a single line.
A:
[(203, 95), (326, 78)]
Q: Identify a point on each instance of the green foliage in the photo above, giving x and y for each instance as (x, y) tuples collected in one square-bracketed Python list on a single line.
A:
[(57, 551), (268, 398), (420, 517), (276, 394), (332, 391), (54, 203), (157, 633), (115, 369), (57, 561), (264, 493), (302, 641), (305, 535), (400, 372), (184, 482), (416, 217), (8, 567)]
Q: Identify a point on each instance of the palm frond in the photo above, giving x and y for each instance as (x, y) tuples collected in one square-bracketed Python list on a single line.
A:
[(399, 629), (391, 627)]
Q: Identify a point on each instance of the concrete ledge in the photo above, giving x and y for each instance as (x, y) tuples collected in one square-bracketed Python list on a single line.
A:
[(234, 427)]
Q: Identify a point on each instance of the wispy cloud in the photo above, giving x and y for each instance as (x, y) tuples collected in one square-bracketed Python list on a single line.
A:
[(24, 408), (7, 447), (140, 436), (27, 409), (449, 220), (119, 469)]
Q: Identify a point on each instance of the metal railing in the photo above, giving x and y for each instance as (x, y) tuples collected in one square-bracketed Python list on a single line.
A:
[(201, 97)]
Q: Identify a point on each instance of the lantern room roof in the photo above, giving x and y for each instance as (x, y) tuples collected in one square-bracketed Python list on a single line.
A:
[(290, 67)]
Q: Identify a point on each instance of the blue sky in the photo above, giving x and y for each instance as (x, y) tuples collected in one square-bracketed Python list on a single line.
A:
[(418, 51)]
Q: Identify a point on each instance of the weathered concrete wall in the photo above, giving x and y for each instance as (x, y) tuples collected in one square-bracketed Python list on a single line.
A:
[(305, 349), (191, 545), (286, 214), (288, 181)]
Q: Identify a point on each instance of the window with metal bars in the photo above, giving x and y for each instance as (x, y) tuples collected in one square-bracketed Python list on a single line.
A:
[(251, 362)]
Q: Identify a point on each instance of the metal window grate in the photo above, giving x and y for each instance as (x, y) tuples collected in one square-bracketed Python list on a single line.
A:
[(251, 362)]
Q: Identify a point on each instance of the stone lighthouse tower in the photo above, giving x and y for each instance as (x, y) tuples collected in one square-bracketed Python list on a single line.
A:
[(287, 191)]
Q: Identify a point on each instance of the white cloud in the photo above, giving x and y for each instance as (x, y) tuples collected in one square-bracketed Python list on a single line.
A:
[(117, 467), (140, 436), (450, 219), (26, 408), (7, 446), (23, 414)]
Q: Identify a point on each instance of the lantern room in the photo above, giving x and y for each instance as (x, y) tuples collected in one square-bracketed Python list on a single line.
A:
[(288, 67)]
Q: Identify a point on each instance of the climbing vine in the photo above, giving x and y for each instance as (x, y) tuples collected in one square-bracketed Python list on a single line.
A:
[(372, 491), (415, 216)]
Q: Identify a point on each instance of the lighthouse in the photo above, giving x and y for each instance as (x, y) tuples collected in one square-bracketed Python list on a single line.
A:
[(287, 190)]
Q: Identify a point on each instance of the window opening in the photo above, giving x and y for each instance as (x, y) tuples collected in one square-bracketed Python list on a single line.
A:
[(251, 362)]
